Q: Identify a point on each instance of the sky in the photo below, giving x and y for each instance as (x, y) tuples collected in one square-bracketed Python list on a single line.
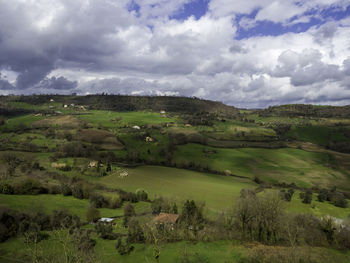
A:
[(245, 53)]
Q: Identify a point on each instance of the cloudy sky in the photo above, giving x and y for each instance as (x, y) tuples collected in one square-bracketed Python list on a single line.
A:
[(246, 53)]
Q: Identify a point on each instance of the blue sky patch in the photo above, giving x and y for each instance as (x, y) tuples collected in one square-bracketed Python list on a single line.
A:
[(196, 8), (269, 28), (134, 7)]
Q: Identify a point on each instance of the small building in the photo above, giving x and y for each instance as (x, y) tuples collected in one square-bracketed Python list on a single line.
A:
[(58, 165), (149, 139), (165, 218), (123, 174), (93, 164), (106, 220), (136, 127)]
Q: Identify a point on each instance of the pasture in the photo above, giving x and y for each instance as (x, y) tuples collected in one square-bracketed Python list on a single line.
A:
[(47, 203), (111, 119), (288, 165), (217, 191)]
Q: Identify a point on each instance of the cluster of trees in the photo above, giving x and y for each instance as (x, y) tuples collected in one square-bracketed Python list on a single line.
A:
[(333, 196), (287, 195), (13, 223), (263, 218), (164, 205)]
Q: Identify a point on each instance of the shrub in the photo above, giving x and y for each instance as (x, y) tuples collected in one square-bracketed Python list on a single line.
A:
[(63, 219), (29, 186), (124, 248), (142, 195), (66, 190), (54, 189), (129, 210), (98, 200), (115, 202), (135, 233), (105, 231), (77, 191), (306, 197), (92, 214), (6, 189)]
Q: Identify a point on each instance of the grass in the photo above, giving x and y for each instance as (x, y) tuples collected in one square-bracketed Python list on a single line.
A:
[(217, 191), (273, 165), (48, 203), (15, 122), (317, 208), (318, 134), (219, 251), (110, 119)]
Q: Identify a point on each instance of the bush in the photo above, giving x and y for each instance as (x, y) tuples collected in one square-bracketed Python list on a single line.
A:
[(6, 189), (124, 248), (82, 240), (54, 189), (287, 196), (129, 210), (77, 191), (115, 202), (64, 219), (29, 186), (98, 200), (135, 233), (142, 195), (306, 197), (105, 231), (92, 214), (66, 190)]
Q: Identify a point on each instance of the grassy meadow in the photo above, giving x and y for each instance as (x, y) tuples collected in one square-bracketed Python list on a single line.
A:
[(94, 149), (272, 165), (217, 191)]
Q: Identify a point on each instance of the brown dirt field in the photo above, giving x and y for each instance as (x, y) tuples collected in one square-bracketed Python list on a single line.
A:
[(66, 121), (103, 138)]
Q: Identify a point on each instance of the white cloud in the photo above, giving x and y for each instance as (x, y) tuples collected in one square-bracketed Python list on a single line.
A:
[(105, 48)]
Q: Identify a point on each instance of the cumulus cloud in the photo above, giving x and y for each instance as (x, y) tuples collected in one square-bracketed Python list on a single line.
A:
[(136, 47)]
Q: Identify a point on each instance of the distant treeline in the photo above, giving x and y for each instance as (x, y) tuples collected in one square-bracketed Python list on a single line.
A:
[(131, 103), (306, 110)]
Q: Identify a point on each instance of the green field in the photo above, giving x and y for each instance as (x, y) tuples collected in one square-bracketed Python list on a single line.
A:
[(217, 191), (273, 165), (110, 119), (48, 203), (318, 134), (317, 208)]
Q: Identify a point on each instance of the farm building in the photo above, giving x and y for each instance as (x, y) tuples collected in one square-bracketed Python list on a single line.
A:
[(93, 164), (165, 218), (149, 139), (106, 220)]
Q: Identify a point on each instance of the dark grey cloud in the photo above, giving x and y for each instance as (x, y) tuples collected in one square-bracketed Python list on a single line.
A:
[(60, 83), (5, 85)]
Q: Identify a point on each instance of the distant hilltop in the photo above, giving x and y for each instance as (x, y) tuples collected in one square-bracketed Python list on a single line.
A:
[(129, 103)]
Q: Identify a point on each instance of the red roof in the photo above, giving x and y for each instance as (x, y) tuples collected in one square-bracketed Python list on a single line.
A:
[(166, 218)]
